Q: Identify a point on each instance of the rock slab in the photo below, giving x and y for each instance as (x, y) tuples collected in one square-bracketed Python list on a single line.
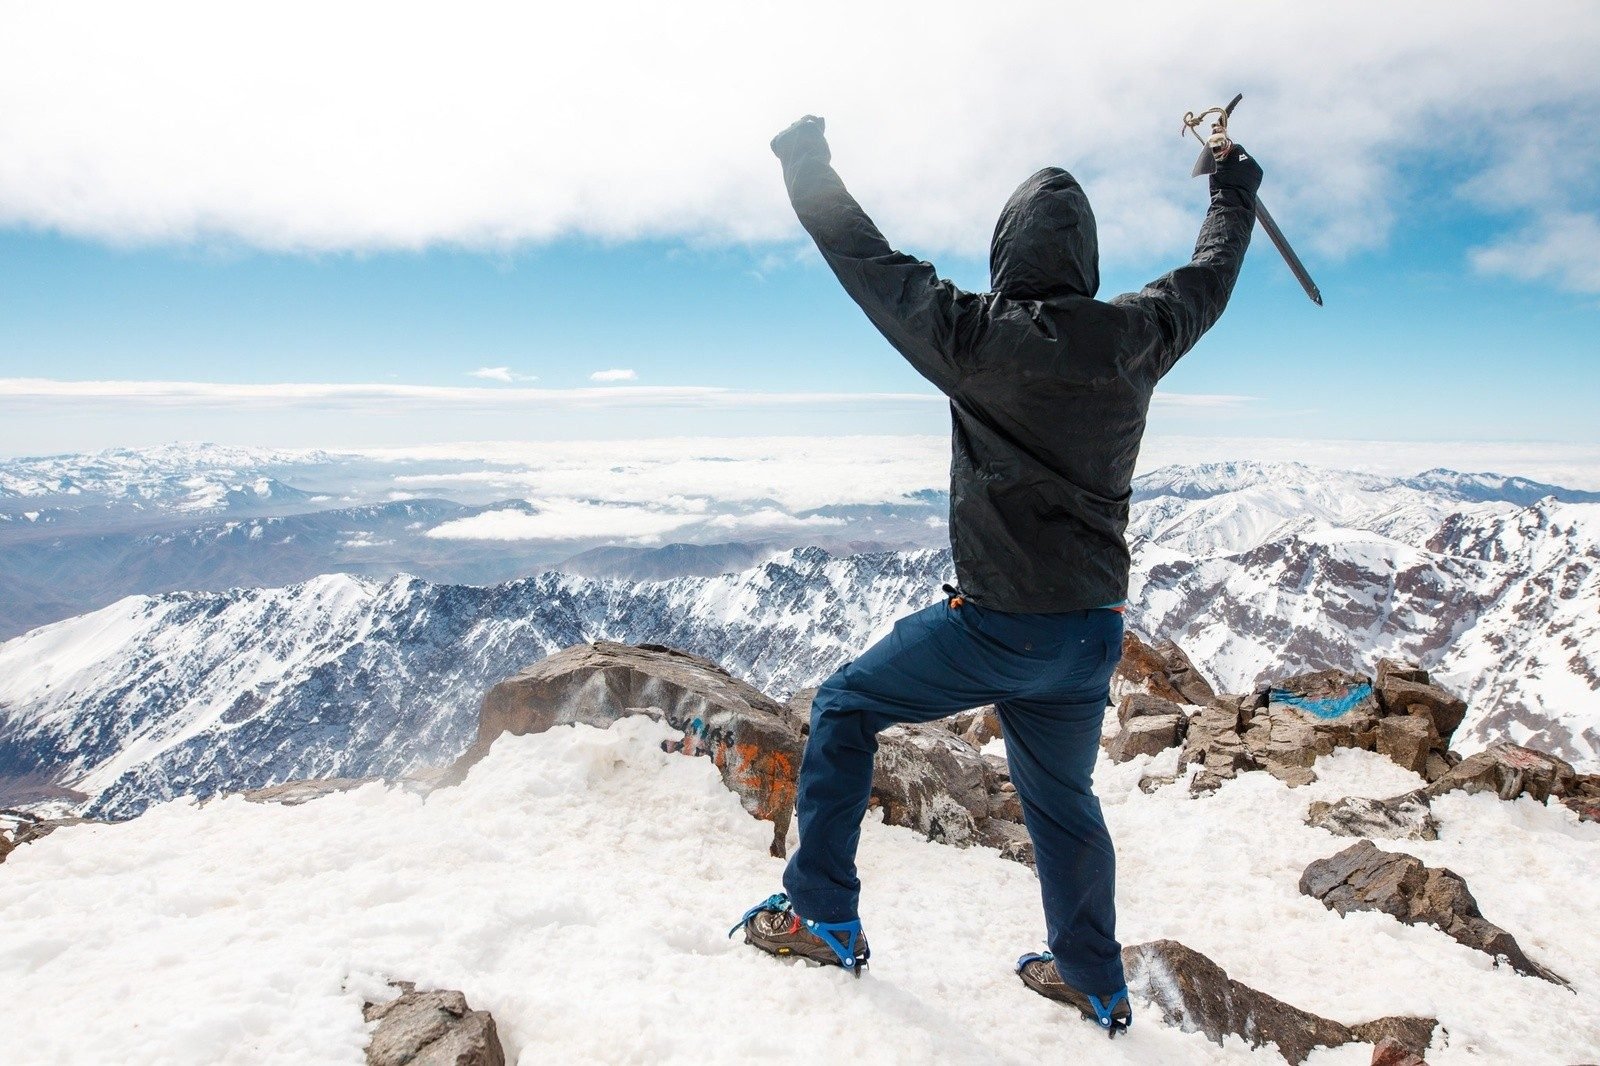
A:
[(1194, 994), (1364, 878), (432, 1029), (752, 739), (1404, 817)]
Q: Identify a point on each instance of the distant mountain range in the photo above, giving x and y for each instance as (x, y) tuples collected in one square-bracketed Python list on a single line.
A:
[(1258, 570)]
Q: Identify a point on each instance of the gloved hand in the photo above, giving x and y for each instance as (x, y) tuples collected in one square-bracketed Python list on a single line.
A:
[(804, 135), (1238, 170)]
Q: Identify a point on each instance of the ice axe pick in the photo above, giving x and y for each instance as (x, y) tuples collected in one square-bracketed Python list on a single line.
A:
[(1217, 146)]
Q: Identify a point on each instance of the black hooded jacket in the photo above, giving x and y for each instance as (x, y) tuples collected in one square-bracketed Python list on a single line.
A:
[(1048, 386)]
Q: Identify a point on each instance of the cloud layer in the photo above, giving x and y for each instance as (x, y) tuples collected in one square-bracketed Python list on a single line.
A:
[(312, 126)]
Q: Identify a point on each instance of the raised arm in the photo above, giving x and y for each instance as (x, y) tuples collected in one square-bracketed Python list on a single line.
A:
[(1184, 304), (927, 319)]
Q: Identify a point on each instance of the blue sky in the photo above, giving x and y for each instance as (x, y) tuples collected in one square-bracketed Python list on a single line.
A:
[(235, 246)]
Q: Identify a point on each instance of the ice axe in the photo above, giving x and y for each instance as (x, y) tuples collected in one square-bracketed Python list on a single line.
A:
[(1217, 146)]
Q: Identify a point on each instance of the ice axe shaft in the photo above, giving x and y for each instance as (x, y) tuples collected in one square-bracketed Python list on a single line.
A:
[(1281, 242), (1217, 146)]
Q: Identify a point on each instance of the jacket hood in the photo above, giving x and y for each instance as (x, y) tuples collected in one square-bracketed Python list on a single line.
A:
[(1045, 244)]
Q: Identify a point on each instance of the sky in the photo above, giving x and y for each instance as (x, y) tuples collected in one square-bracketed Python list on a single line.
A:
[(378, 225)]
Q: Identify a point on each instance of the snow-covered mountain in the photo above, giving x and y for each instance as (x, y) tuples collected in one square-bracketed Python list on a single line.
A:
[(1258, 571)]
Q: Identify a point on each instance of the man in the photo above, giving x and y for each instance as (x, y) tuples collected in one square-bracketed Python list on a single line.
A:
[(1048, 390)]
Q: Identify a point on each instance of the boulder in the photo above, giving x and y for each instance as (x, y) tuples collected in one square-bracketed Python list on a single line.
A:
[(431, 1029), (1363, 878), (1438, 764), (799, 710), (977, 726), (6, 847), (1196, 995), (1339, 706), (1407, 740), (751, 739), (1406, 817), (1144, 705), (1587, 810), (1213, 743), (1147, 735), (930, 780), (1159, 669), (1285, 745), (1395, 669), (1391, 1052), (1509, 770), (1011, 838), (1404, 697)]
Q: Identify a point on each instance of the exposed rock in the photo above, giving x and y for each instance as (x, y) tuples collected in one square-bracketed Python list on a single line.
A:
[(1150, 783), (1281, 742), (1010, 837), (1363, 878), (1509, 771), (294, 793), (6, 847), (1143, 705), (1407, 740), (977, 726), (751, 738), (1391, 1052), (1196, 995), (1438, 764), (930, 780), (1213, 743), (1587, 809), (1401, 696), (1159, 669), (1337, 705), (432, 1029), (1396, 670), (1147, 735), (1406, 817), (799, 710)]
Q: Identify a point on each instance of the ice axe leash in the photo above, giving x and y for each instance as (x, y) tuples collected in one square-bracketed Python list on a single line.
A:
[(1217, 146)]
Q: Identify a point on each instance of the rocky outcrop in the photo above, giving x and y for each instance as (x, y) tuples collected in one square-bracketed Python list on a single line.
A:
[(751, 738), (1405, 817), (431, 1029), (1509, 771), (1282, 728), (1196, 995), (1364, 878), (1160, 669), (929, 779), (1583, 798)]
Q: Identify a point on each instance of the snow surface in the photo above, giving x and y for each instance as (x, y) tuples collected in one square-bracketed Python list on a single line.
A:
[(580, 883)]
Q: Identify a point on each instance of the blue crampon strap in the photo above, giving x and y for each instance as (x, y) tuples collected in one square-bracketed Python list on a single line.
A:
[(1102, 1010), (825, 932), (778, 902)]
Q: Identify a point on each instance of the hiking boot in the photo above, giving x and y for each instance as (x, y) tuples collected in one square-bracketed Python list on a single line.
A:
[(1113, 1014), (773, 926)]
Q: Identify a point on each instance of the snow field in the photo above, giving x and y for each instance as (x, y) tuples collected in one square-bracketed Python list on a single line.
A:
[(580, 883)]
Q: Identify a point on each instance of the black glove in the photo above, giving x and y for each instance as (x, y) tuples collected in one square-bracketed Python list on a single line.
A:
[(1238, 170), (803, 136)]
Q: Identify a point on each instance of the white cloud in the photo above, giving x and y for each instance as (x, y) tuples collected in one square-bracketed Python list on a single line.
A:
[(393, 125), (567, 519), (614, 375), (1560, 247), (318, 394), (772, 518), (501, 373)]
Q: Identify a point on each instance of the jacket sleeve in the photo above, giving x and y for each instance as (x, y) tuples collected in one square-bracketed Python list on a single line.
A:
[(1182, 305), (927, 319)]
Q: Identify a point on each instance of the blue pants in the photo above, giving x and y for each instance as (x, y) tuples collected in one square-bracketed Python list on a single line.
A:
[(1048, 676)]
